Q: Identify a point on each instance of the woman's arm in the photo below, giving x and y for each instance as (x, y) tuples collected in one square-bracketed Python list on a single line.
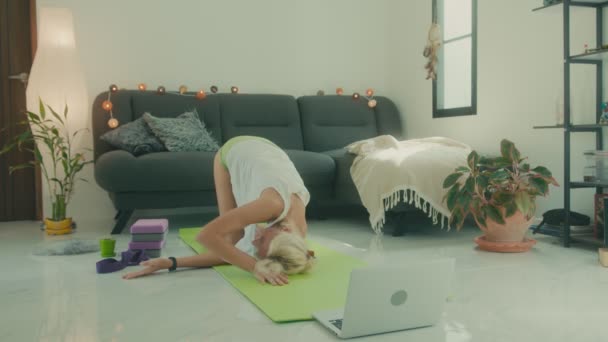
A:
[(207, 259), (215, 234)]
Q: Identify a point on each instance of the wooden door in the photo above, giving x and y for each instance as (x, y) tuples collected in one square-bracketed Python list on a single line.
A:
[(19, 193)]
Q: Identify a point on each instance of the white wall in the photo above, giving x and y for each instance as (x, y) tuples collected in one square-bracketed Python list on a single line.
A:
[(263, 46), (297, 47), (520, 74)]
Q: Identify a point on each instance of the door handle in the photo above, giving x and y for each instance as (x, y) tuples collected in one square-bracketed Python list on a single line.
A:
[(23, 77)]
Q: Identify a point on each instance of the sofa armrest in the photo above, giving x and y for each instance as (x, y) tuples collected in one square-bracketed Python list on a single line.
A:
[(119, 171)]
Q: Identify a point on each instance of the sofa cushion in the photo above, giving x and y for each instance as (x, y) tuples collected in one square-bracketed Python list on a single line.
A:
[(134, 137), (314, 168), (171, 106), (120, 171), (181, 134), (274, 117), (129, 105), (330, 122)]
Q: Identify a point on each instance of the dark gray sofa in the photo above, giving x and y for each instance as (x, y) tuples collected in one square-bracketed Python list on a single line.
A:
[(313, 130)]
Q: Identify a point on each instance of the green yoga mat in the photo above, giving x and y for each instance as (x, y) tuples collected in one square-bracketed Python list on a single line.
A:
[(323, 288)]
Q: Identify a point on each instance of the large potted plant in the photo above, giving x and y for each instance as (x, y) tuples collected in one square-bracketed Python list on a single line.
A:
[(500, 194), (50, 141)]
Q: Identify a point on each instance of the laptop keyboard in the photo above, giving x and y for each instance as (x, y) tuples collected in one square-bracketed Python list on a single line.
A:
[(337, 323)]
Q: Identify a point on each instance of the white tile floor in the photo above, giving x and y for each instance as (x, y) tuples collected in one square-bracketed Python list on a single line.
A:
[(549, 294)]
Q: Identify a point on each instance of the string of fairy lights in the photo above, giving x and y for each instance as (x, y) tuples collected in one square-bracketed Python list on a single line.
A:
[(201, 95)]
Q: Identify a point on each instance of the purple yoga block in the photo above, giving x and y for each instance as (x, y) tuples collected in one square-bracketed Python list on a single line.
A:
[(150, 226), (146, 245)]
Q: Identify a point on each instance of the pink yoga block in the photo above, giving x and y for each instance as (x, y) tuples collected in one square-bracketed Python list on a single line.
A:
[(143, 226), (147, 245)]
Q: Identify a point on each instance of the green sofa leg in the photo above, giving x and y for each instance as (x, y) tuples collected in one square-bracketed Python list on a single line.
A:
[(122, 217), (400, 226)]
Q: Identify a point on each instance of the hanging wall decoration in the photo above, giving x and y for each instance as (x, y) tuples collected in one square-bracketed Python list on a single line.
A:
[(201, 95), (161, 90), (432, 46), (371, 102)]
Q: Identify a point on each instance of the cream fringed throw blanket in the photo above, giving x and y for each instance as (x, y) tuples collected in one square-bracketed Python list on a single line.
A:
[(387, 172)]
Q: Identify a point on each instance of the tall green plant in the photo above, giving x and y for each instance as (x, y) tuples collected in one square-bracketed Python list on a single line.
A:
[(61, 164), (495, 187)]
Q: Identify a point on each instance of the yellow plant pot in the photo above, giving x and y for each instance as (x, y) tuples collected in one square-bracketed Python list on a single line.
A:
[(58, 227), (603, 252)]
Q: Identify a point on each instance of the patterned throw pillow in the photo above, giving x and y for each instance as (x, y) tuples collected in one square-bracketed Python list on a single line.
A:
[(134, 137), (184, 133)]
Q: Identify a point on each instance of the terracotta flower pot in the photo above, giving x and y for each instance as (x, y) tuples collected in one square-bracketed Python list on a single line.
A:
[(513, 230), (508, 237)]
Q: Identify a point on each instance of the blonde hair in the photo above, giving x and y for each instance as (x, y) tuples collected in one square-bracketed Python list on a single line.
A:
[(287, 253)]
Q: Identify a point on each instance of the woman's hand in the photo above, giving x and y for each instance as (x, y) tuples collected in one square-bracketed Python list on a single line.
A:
[(271, 277), (151, 266)]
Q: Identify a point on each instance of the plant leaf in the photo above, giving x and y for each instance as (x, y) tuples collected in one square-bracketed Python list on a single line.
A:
[(502, 198), (481, 217), (457, 219), (482, 182), (493, 213), (38, 155), (476, 205), (505, 149), (552, 181), (522, 201), (532, 210), (493, 162), (462, 169), (525, 167), (499, 175), (484, 160), (540, 184), (516, 156), (473, 160), (502, 162), (42, 111), (80, 131), (58, 182), (543, 171), (463, 200), (511, 209), (12, 169), (56, 115), (469, 186), (33, 117), (451, 180), (7, 148), (508, 151), (452, 196), (66, 167)]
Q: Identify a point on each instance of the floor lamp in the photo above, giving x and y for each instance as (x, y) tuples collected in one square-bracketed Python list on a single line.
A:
[(56, 76)]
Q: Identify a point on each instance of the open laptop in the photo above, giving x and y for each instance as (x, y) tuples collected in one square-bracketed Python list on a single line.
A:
[(383, 299)]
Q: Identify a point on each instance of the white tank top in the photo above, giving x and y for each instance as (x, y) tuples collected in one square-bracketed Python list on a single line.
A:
[(254, 166)]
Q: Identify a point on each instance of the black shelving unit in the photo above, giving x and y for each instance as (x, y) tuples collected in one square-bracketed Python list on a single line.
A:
[(597, 59)]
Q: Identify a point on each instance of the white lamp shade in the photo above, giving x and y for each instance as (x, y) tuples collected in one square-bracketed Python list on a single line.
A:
[(56, 76), (57, 79)]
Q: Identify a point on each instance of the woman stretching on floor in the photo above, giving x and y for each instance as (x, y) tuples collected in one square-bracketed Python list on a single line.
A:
[(255, 181)]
